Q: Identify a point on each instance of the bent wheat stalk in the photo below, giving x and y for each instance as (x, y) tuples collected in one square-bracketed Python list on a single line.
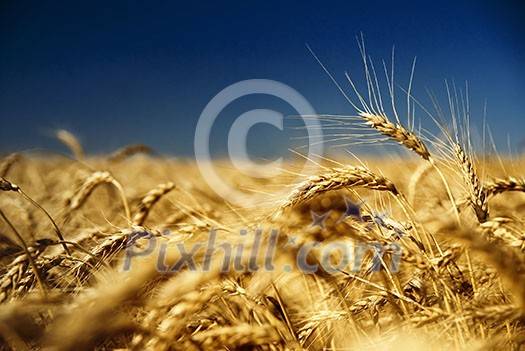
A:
[(99, 177), (415, 179)]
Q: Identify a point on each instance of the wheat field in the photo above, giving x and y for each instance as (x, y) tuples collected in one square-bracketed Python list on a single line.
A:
[(109, 252), (66, 225)]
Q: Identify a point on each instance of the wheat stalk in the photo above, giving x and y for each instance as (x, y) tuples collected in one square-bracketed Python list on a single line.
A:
[(6, 185), (97, 178)]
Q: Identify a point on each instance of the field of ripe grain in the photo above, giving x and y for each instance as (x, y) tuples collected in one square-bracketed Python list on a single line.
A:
[(70, 226)]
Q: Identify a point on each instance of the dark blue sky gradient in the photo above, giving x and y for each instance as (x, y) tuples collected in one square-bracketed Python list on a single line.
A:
[(120, 72)]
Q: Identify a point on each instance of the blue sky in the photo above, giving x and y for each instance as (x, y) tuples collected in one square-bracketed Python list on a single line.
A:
[(121, 72)]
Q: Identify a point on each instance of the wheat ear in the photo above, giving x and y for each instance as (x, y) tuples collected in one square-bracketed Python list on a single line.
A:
[(102, 254), (128, 151), (149, 201), (477, 192), (396, 132), (71, 142), (335, 179), (501, 185), (7, 163)]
